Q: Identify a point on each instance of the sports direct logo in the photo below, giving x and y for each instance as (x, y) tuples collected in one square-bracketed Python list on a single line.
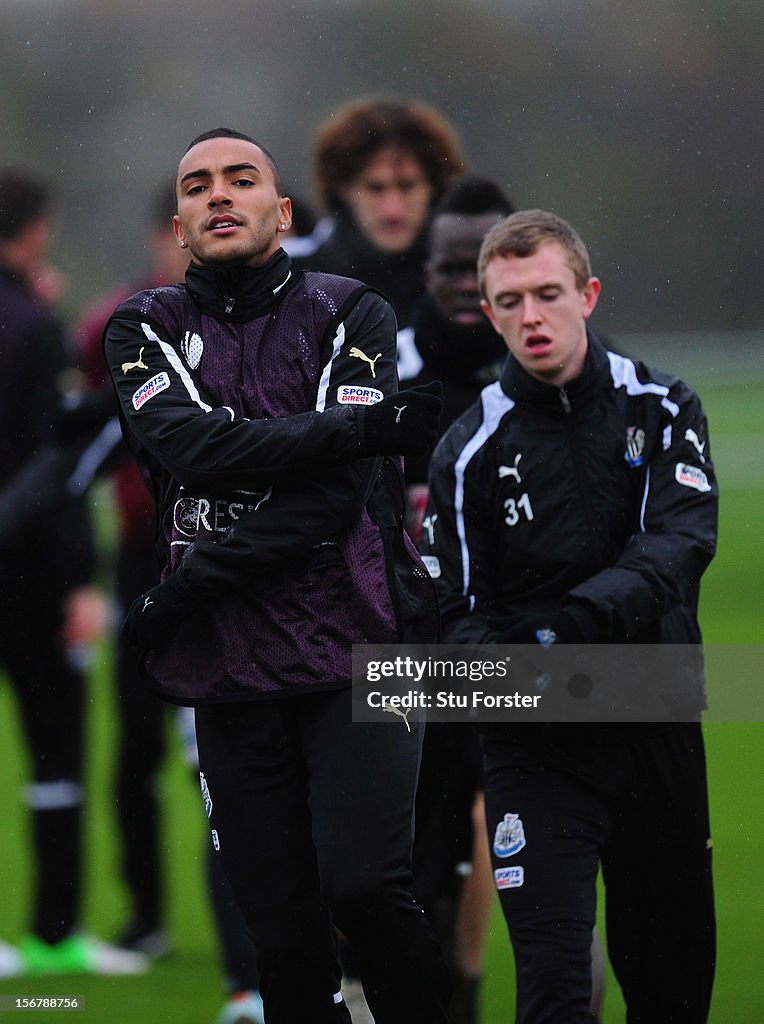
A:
[(152, 387), (349, 394), (691, 476), (509, 878)]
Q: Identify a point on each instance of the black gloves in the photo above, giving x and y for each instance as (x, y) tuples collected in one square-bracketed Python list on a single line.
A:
[(155, 615), (405, 423), (545, 628)]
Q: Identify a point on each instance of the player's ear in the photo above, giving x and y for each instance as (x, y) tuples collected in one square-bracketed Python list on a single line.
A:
[(590, 293), (285, 213), (178, 230), (487, 310)]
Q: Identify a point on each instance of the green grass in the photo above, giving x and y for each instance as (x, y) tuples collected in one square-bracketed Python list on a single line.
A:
[(186, 988)]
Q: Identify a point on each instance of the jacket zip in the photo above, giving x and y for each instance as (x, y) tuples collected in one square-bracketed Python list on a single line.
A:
[(568, 409)]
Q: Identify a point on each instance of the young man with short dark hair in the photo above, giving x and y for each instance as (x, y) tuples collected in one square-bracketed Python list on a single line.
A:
[(262, 402)]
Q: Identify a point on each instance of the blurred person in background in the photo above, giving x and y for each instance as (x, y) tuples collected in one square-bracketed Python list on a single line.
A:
[(142, 740), (50, 612), (451, 340), (380, 166)]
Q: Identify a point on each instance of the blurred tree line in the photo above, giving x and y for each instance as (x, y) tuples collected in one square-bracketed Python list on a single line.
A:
[(638, 120)]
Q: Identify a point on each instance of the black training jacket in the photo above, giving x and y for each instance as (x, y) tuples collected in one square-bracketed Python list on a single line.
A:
[(45, 538), (599, 499), (240, 393)]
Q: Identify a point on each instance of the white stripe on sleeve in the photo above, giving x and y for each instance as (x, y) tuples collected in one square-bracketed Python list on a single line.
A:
[(495, 404), (326, 373), (174, 360)]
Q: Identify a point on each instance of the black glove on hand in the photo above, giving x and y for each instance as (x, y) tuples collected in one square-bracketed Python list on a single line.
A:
[(405, 423), (156, 614), (545, 628)]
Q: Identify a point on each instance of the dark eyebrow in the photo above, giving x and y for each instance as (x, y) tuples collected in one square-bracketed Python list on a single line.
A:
[(203, 172)]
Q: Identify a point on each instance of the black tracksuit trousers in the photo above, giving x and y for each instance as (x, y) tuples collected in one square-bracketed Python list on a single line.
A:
[(633, 799), (50, 689), (142, 748), (312, 816)]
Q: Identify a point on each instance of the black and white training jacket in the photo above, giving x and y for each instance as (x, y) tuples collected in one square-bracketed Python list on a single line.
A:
[(598, 499)]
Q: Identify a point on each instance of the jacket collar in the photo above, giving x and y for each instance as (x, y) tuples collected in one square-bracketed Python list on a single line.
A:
[(399, 276), (524, 389), (456, 353), (240, 292), (348, 239)]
